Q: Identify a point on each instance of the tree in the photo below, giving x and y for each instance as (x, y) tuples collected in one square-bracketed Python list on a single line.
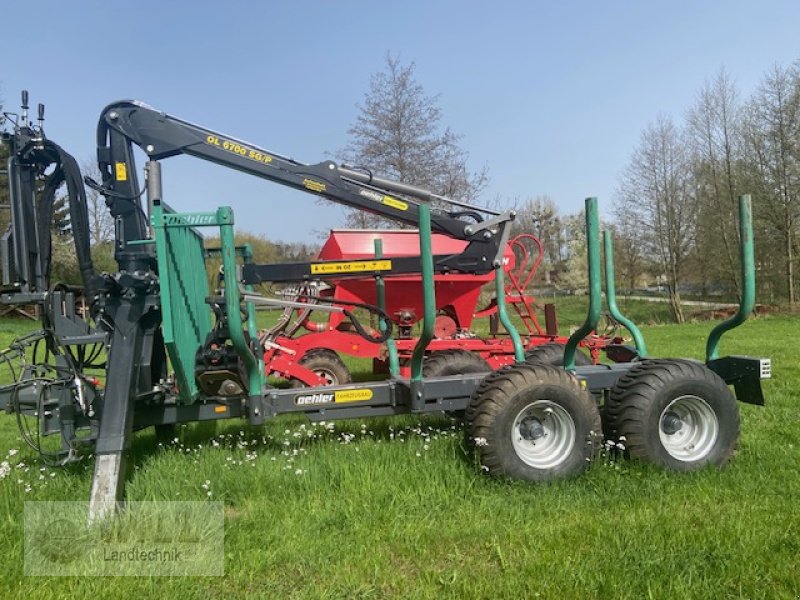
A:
[(655, 192), (101, 223), (540, 215), (5, 213), (772, 137), (630, 260), (575, 274), (398, 135), (714, 127)]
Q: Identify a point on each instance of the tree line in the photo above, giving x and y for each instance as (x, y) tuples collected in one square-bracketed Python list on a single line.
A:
[(676, 206)]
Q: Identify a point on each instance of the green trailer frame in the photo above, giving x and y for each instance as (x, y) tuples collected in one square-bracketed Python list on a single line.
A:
[(186, 322)]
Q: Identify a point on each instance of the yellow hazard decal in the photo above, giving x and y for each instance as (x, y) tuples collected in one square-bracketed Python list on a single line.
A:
[(351, 267), (239, 149), (395, 203), (353, 395), (121, 171), (314, 186)]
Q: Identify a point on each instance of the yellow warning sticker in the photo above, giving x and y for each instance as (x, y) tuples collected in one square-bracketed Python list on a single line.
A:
[(353, 395), (314, 186), (395, 203), (350, 267), (121, 171)]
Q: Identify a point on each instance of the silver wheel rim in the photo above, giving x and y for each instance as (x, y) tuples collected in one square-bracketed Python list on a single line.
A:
[(328, 376), (688, 428), (543, 434)]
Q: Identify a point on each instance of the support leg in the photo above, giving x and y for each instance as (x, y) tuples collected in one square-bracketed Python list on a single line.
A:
[(129, 341)]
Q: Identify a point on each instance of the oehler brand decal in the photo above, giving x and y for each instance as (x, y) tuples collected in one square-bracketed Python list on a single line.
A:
[(340, 397)]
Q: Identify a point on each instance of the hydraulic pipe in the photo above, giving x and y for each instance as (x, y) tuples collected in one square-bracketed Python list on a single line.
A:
[(611, 297), (404, 188), (747, 265), (595, 291)]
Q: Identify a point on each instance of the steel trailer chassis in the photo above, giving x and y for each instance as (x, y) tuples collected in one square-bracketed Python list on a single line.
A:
[(528, 421)]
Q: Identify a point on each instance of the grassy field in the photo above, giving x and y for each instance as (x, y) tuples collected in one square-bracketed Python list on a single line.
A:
[(398, 509)]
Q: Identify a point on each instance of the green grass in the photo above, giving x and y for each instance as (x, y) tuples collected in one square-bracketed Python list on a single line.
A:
[(398, 509)]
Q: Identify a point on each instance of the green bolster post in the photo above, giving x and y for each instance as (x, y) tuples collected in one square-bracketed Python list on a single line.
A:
[(500, 294), (252, 326), (611, 296), (747, 265), (428, 292), (394, 360), (232, 302), (595, 300)]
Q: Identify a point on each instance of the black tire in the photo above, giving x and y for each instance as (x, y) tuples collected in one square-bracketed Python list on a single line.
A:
[(453, 362), (327, 364), (515, 407), (674, 413), (443, 363), (552, 353), (472, 407)]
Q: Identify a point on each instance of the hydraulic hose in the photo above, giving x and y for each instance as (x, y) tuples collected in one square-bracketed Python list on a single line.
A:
[(69, 172)]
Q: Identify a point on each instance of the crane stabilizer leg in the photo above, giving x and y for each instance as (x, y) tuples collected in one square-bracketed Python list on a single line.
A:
[(129, 371)]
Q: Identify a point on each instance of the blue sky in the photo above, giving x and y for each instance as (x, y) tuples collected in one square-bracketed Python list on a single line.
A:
[(551, 96)]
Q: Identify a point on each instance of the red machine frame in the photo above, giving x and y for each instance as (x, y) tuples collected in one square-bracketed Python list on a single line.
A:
[(457, 296)]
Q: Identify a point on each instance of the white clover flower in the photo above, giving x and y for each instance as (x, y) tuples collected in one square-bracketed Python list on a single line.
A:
[(12, 452), (479, 441)]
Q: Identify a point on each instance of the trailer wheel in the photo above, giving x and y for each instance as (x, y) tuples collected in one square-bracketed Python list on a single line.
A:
[(535, 423), (552, 353), (327, 364), (453, 362), (674, 413)]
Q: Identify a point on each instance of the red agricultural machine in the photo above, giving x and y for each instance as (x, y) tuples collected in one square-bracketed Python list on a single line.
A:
[(307, 350)]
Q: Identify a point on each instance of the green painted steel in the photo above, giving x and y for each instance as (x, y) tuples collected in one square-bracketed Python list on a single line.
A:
[(254, 366), (428, 292), (595, 287), (500, 294), (611, 296), (394, 360), (185, 316), (246, 253), (747, 265)]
